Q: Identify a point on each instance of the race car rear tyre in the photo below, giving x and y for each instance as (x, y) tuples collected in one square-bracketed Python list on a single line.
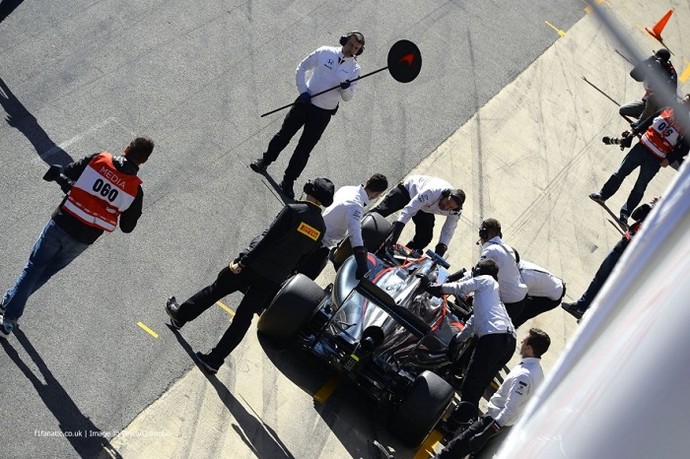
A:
[(291, 310), (421, 409)]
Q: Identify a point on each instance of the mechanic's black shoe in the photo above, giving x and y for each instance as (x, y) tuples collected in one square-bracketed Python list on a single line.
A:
[(286, 186), (259, 165), (446, 429), (623, 220), (573, 310), (171, 307), (206, 363), (596, 197)]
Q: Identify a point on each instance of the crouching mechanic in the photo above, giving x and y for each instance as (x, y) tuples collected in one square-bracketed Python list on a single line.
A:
[(102, 191), (343, 219), (420, 197), (259, 270), (544, 291), (495, 332), (507, 403)]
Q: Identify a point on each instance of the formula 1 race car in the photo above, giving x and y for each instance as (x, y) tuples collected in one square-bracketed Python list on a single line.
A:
[(383, 332)]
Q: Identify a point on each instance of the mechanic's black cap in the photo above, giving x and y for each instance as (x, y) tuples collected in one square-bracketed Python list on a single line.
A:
[(663, 54), (322, 189)]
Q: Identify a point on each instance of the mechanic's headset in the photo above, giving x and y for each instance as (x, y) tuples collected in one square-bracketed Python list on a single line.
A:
[(484, 233), (360, 38), (457, 197)]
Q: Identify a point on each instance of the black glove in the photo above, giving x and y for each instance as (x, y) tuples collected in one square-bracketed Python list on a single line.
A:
[(434, 290), (395, 232), (345, 84), (457, 275), (492, 428), (362, 263), (304, 98), (424, 281), (52, 173), (626, 141), (441, 249)]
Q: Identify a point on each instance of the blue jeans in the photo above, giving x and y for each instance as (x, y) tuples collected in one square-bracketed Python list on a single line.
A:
[(53, 250), (649, 165), (602, 274)]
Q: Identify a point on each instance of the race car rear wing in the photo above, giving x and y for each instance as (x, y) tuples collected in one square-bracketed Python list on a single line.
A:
[(402, 315)]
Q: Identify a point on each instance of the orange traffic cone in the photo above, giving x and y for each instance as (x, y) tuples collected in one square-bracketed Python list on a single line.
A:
[(659, 26)]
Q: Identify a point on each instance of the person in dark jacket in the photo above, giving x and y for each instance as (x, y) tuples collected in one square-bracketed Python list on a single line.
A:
[(579, 307), (259, 270), (102, 191), (654, 72)]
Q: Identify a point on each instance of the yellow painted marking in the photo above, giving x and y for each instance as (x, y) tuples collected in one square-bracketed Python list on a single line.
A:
[(147, 329), (429, 446), (685, 75), (327, 390), (227, 309), (588, 8), (560, 32)]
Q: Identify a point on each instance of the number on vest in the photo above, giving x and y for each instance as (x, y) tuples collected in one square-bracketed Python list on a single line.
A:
[(105, 190)]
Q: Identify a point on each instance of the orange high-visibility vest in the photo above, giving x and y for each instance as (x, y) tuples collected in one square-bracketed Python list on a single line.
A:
[(662, 136), (101, 193)]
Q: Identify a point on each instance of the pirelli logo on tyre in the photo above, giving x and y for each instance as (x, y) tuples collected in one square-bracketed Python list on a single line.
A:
[(309, 231)]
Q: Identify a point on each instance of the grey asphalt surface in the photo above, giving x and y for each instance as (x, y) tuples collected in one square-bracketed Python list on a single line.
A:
[(89, 75)]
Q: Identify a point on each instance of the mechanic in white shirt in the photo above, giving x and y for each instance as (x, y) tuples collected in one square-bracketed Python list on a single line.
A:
[(544, 291), (329, 66), (495, 334), (512, 289), (420, 197), (507, 403), (343, 219)]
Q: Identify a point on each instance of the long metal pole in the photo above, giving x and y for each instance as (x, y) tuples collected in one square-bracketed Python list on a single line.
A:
[(324, 91)]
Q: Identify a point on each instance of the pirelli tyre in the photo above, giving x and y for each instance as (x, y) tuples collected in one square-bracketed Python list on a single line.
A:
[(421, 408), (291, 310)]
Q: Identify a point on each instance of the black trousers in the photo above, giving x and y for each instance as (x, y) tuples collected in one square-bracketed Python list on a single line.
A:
[(535, 305), (491, 353), (314, 120), (460, 446), (515, 310), (258, 292), (396, 199)]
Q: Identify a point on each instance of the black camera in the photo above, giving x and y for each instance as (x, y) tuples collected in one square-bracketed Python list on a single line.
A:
[(612, 140), (624, 141), (54, 174)]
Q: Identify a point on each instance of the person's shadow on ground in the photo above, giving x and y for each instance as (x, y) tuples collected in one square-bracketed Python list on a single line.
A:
[(21, 119), (7, 7), (86, 439), (258, 436)]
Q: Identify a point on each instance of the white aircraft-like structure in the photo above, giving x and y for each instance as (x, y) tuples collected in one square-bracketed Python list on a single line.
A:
[(621, 389)]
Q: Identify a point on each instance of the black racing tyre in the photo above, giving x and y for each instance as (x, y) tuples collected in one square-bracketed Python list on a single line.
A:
[(291, 309), (375, 230), (421, 409)]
